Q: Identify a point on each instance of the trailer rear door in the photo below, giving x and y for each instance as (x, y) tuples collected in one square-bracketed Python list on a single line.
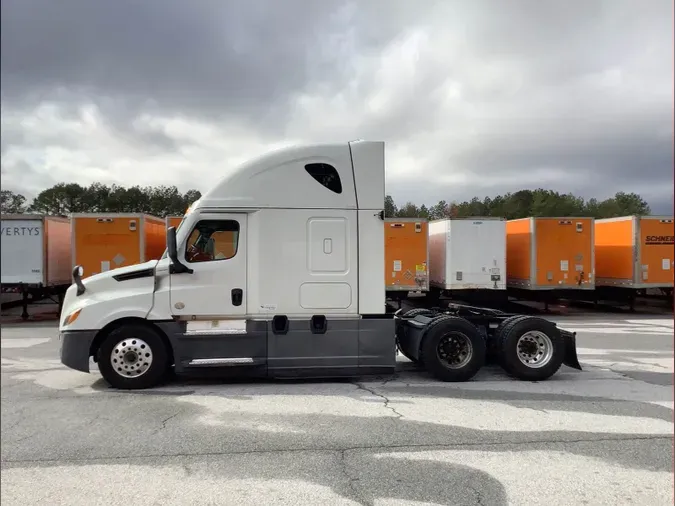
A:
[(656, 251), (22, 251)]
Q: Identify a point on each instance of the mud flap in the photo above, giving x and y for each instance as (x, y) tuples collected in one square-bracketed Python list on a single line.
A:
[(571, 359)]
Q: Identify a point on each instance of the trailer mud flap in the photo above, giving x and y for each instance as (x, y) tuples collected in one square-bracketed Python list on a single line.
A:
[(571, 359)]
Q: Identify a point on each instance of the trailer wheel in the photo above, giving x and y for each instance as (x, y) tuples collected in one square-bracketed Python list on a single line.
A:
[(530, 348), (133, 357), (410, 314), (452, 349)]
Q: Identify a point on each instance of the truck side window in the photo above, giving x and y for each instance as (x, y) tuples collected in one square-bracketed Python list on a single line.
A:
[(325, 174), (212, 240)]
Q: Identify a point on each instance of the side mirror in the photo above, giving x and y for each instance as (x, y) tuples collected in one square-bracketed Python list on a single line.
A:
[(78, 271), (176, 266)]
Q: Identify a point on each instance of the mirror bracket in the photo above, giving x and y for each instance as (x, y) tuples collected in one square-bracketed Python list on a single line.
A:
[(176, 266)]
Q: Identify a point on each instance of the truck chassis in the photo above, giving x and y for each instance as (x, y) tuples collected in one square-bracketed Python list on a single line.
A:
[(453, 344)]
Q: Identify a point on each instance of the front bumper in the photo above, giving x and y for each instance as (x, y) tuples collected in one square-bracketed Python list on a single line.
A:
[(75, 346)]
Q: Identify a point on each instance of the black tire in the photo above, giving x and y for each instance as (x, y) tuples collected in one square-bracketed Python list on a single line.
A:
[(417, 312), (453, 327), (551, 349), (131, 336), (411, 314)]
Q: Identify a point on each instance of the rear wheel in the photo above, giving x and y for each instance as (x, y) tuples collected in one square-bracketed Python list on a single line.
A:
[(530, 348), (452, 349), (133, 357)]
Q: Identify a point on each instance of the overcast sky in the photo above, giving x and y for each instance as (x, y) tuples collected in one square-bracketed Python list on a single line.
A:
[(473, 98)]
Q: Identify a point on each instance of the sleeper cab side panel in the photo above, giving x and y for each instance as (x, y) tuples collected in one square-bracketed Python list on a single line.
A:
[(656, 250), (564, 252), (406, 253), (614, 251), (518, 252), (105, 245), (300, 351), (346, 347)]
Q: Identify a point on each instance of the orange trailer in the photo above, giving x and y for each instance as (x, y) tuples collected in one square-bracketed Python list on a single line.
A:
[(406, 253), (635, 252), (173, 221), (101, 242), (550, 253)]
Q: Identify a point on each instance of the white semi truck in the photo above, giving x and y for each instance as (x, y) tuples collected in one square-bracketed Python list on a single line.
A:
[(278, 271)]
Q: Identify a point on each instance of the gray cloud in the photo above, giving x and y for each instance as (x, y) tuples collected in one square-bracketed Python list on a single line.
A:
[(576, 96), (207, 58)]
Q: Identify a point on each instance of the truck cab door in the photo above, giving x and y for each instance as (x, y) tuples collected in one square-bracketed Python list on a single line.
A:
[(215, 250), (210, 301)]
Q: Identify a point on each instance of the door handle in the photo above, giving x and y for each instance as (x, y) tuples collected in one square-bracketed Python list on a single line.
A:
[(237, 296)]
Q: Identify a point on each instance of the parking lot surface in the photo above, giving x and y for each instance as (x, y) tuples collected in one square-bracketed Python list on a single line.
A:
[(600, 436)]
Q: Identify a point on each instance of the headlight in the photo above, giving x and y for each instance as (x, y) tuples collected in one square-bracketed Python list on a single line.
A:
[(72, 317)]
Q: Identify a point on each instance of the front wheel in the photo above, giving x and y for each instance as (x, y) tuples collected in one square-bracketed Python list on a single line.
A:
[(530, 348), (452, 349), (133, 357)]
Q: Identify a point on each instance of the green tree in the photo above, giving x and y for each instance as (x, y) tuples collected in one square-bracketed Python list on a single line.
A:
[(409, 210), (12, 203), (439, 211), (550, 203), (390, 208), (632, 203), (191, 196), (61, 199), (96, 198)]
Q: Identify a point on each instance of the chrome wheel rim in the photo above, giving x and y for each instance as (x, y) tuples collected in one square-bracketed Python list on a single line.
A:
[(454, 350), (535, 349), (131, 358)]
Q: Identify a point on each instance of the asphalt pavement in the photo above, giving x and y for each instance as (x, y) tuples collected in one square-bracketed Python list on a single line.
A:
[(600, 436)]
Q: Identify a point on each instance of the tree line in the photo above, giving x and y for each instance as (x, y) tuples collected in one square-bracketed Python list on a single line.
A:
[(523, 204), (65, 198)]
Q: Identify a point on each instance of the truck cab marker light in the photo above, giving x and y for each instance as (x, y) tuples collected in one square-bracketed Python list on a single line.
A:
[(72, 317)]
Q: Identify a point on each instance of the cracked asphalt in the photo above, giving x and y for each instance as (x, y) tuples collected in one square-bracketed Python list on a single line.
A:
[(601, 436)]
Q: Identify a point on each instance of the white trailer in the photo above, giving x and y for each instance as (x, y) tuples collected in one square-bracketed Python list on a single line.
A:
[(468, 255), (277, 271), (35, 253)]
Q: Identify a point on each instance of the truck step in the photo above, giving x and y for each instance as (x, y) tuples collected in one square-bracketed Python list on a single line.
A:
[(209, 362)]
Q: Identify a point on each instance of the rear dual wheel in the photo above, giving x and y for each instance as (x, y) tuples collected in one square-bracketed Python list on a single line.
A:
[(530, 348), (452, 349)]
